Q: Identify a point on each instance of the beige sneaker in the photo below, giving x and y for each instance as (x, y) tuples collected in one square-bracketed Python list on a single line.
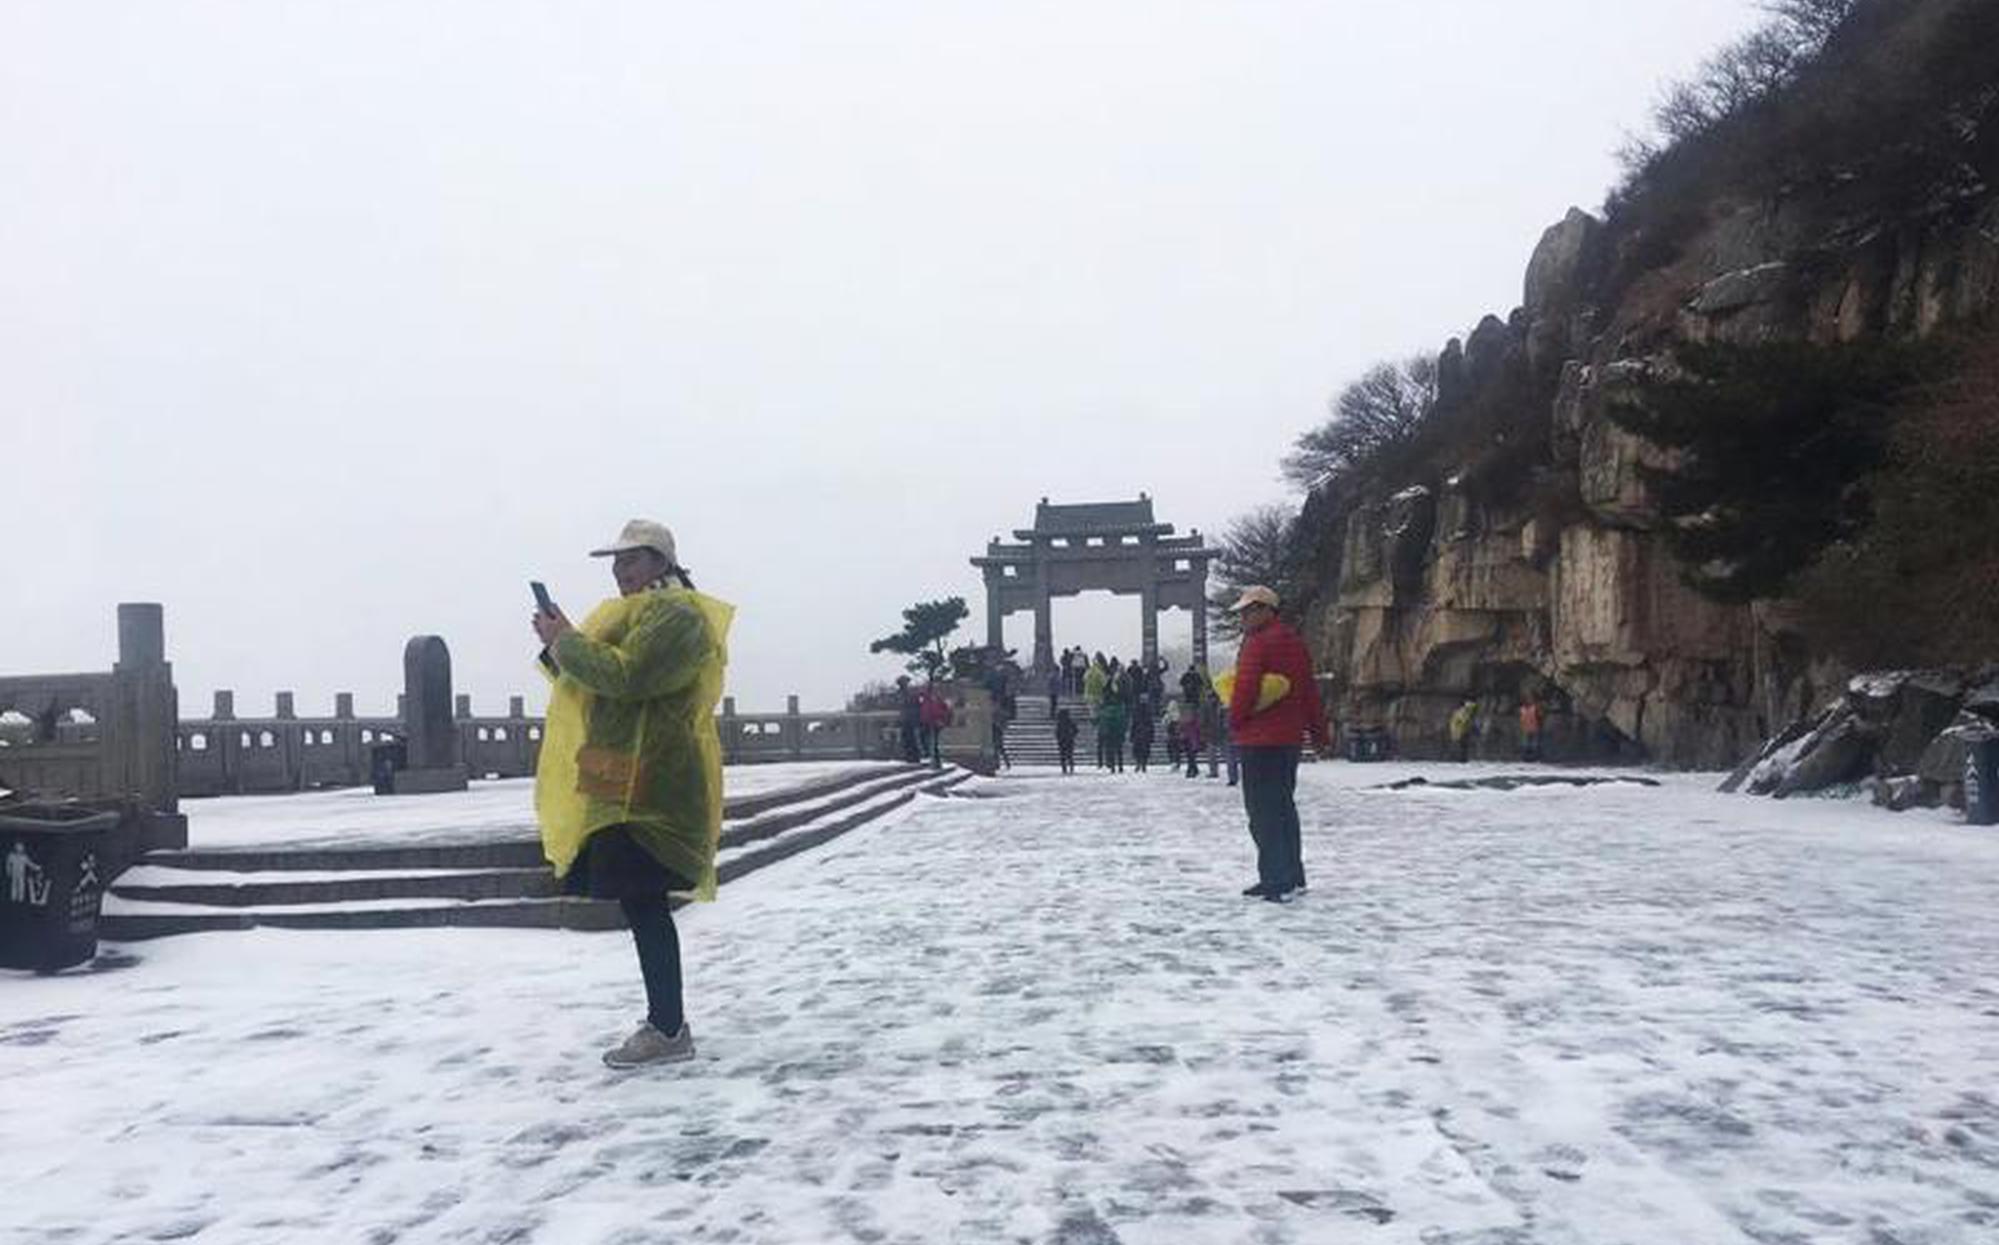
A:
[(649, 1046)]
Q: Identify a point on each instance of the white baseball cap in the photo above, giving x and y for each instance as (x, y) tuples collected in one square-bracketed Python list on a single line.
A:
[(641, 534), (1255, 594)]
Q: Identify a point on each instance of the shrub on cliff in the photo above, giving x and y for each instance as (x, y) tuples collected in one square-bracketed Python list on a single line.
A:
[(1887, 106), (1774, 442), (1917, 587)]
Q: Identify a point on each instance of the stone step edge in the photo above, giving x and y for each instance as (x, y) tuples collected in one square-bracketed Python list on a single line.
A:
[(552, 913), (272, 889), (510, 853), (463, 885)]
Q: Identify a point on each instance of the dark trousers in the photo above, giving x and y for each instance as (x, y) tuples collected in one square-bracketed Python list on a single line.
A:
[(658, 944), (1067, 754), (911, 752), (1269, 794)]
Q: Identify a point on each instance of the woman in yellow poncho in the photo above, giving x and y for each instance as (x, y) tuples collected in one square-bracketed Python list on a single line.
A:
[(628, 789)]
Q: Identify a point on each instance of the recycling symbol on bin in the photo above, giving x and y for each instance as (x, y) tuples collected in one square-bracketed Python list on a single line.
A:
[(27, 882)]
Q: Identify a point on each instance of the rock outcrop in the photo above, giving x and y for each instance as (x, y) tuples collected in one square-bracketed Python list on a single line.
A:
[(1902, 735)]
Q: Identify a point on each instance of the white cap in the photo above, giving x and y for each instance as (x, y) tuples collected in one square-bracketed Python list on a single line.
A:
[(641, 534), (1255, 594)]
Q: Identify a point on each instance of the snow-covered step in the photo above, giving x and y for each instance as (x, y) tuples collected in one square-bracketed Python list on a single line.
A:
[(269, 888), (133, 921), (503, 847), (158, 899), (1030, 739), (813, 807), (754, 856)]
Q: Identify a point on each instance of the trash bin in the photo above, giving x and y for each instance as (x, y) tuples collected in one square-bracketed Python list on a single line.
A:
[(54, 883), (384, 759), (1981, 780)]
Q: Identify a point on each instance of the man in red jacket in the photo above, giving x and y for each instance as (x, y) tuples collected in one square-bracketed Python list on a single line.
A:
[(1270, 741)]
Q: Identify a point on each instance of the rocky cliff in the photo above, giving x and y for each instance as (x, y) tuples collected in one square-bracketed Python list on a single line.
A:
[(1559, 584)]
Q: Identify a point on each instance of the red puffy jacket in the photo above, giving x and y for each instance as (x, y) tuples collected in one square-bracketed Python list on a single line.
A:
[(935, 711), (1275, 648)]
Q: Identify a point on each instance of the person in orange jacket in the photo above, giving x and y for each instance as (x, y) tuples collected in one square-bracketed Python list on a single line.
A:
[(1270, 740), (1530, 729)]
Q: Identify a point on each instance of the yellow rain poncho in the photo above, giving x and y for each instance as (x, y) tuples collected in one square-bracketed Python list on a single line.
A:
[(1273, 688), (1095, 679), (630, 737)]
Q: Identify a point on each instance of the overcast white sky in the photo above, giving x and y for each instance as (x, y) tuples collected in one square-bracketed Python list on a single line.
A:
[(325, 324)]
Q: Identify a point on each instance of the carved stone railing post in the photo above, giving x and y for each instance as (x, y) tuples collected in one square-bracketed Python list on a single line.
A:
[(429, 732), (139, 734)]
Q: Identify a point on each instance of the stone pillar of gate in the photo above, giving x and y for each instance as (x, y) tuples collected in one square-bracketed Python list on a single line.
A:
[(1044, 621), (995, 618), (1201, 613), (1148, 621), (1148, 601)]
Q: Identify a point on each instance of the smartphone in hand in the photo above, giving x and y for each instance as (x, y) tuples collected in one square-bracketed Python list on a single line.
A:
[(544, 603)]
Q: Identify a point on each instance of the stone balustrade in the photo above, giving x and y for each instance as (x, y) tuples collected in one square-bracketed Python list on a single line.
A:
[(119, 735), (224, 754), (102, 737)]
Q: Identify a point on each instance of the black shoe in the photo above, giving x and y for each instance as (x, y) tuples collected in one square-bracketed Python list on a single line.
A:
[(1277, 896), (1256, 891)]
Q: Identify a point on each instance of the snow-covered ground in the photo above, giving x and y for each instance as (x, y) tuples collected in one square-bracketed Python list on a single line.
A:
[(1547, 1016), (358, 815)]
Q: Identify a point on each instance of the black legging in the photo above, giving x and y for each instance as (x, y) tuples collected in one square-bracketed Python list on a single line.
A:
[(658, 943)]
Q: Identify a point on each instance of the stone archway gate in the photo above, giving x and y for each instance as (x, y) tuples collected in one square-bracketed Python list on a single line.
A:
[(1096, 546)]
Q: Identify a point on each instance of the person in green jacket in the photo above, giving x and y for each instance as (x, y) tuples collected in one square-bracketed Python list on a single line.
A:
[(1095, 680), (628, 784), (1110, 734)]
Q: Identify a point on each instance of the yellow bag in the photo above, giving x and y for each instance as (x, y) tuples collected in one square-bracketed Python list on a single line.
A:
[(630, 735), (1274, 687)]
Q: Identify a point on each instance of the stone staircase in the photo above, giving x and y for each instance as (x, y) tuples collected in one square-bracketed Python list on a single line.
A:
[(1030, 740), (487, 882)]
